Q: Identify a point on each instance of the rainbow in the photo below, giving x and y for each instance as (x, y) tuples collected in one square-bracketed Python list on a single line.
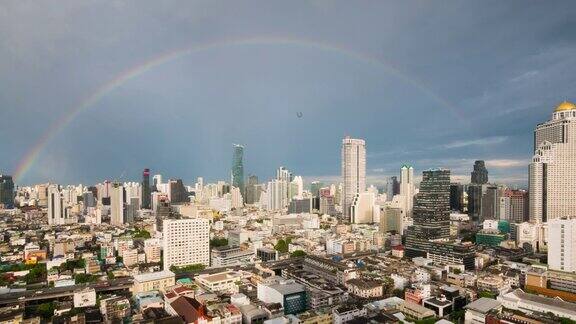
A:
[(30, 158)]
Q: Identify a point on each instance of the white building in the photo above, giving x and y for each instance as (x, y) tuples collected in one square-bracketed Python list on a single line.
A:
[(186, 241), (117, 205), (85, 298), (57, 211), (353, 171), (562, 244), (277, 194), (407, 191), (364, 209), (552, 173)]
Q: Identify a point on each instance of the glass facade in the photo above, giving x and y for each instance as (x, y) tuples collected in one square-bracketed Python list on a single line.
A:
[(238, 168)]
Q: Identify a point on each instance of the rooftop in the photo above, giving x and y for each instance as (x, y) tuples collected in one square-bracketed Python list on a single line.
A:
[(149, 276), (483, 305)]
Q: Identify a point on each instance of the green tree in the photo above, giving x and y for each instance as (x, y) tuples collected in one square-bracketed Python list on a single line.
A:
[(141, 234), (487, 294), (46, 310), (297, 253), (281, 246), (84, 278), (218, 241), (193, 268)]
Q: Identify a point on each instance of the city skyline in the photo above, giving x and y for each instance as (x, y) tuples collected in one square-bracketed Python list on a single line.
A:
[(472, 95)]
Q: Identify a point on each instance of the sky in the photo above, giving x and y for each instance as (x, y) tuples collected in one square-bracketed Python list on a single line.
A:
[(97, 90)]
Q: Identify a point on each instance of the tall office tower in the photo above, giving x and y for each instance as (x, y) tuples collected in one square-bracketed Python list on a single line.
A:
[(364, 209), (517, 201), (479, 175), (552, 173), (163, 211), (199, 185), (315, 188), (490, 203), (456, 196), (353, 171), (186, 242), (237, 201), (132, 209), (475, 201), (156, 182), (276, 195), (88, 200), (285, 177), (407, 190), (117, 204), (431, 213), (178, 193), (146, 189), (253, 190), (57, 210), (6, 191), (392, 188), (296, 187), (237, 172), (562, 244)]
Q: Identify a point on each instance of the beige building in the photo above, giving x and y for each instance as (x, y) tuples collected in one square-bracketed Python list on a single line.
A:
[(552, 173), (186, 242), (415, 311), (153, 281), (353, 171)]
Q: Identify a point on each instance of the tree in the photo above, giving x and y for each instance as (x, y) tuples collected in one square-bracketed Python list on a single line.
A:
[(141, 234), (188, 268), (84, 278), (297, 253), (487, 294), (218, 241), (281, 246), (46, 310)]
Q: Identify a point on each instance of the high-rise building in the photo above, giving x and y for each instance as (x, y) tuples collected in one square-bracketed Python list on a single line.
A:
[(474, 201), (6, 191), (514, 206), (315, 188), (57, 210), (392, 188), (364, 209), (490, 203), (353, 171), (237, 173), (186, 242), (431, 212), (296, 187), (562, 244), (276, 194), (479, 175), (552, 172), (163, 211), (285, 177), (407, 191), (146, 189), (456, 196), (178, 193), (253, 190), (117, 204)]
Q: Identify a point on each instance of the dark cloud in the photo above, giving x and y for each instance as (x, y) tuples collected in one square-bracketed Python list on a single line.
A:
[(476, 78)]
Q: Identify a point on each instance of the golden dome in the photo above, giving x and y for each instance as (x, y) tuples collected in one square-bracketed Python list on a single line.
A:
[(565, 106)]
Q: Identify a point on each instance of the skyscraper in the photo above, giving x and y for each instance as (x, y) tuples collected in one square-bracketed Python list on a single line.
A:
[(117, 204), (552, 173), (479, 175), (456, 196), (253, 190), (6, 191), (237, 173), (407, 191), (146, 189), (57, 209), (353, 171), (431, 212)]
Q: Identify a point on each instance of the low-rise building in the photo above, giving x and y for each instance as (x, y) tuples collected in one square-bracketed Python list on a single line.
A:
[(153, 281), (477, 310), (415, 311), (365, 288)]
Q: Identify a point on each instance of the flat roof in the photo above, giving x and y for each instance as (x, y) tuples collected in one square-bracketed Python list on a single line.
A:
[(149, 276), (483, 305)]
